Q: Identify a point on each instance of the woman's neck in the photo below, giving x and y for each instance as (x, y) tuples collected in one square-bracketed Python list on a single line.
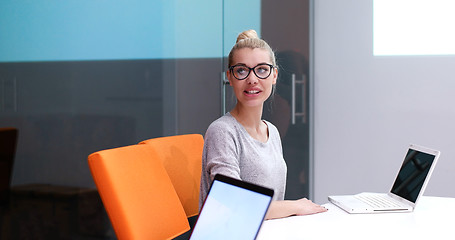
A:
[(251, 120), (251, 117)]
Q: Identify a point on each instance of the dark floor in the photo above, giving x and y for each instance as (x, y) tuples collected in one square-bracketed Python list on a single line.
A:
[(40, 211), (47, 212)]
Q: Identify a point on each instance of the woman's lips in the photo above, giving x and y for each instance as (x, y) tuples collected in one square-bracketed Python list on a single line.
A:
[(252, 92)]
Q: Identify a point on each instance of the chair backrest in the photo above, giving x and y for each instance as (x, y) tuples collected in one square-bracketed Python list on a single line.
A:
[(137, 193), (182, 158), (8, 141)]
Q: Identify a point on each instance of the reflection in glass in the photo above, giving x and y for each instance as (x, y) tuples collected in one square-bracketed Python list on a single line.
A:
[(412, 174)]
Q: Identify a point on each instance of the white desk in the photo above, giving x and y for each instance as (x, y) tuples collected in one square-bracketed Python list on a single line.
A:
[(433, 218)]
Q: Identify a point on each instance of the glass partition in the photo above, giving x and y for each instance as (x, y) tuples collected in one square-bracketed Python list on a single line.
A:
[(78, 77), (286, 27)]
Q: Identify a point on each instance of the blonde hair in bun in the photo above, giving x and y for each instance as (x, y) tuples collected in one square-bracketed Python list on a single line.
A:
[(247, 34), (250, 39)]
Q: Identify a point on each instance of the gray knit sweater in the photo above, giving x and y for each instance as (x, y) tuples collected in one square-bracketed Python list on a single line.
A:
[(230, 150)]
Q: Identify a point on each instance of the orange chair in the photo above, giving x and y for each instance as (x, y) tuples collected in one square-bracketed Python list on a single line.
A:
[(137, 193), (182, 157)]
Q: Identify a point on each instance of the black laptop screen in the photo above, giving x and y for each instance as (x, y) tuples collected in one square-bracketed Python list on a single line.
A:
[(412, 174)]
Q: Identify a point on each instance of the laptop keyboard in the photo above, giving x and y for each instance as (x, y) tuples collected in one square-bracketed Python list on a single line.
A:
[(378, 200)]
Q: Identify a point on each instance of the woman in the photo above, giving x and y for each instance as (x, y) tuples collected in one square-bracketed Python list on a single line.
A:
[(242, 145)]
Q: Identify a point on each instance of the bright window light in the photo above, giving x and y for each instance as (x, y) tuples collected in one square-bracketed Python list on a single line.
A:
[(413, 27)]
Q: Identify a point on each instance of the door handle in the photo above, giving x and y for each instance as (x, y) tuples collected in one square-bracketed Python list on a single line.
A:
[(302, 113), (223, 84)]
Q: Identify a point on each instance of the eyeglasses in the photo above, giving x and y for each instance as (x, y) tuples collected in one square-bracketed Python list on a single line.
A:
[(241, 72)]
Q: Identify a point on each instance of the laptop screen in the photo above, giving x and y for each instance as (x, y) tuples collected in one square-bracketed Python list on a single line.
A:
[(411, 179), (233, 209)]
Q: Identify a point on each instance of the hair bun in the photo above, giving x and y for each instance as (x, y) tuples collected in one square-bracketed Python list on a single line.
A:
[(247, 34)]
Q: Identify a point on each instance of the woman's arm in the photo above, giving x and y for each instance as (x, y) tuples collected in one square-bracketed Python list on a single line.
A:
[(286, 208)]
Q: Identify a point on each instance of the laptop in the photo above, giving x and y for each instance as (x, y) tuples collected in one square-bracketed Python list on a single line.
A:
[(409, 185), (233, 209)]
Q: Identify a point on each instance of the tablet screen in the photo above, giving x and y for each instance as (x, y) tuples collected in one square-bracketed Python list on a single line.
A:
[(231, 212)]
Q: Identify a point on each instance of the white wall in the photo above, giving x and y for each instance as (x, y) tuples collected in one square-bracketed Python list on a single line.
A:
[(368, 109)]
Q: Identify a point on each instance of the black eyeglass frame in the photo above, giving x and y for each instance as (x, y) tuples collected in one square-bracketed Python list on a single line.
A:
[(231, 69)]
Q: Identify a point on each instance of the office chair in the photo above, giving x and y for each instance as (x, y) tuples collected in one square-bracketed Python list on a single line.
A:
[(8, 141), (137, 193), (182, 157)]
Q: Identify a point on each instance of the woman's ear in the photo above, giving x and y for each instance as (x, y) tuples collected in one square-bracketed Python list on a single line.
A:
[(275, 75), (229, 77)]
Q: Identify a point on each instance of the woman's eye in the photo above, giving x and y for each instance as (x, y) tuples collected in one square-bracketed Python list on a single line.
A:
[(262, 69), (241, 71)]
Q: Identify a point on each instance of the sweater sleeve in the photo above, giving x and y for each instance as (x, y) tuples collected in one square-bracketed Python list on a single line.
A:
[(220, 155), (221, 151)]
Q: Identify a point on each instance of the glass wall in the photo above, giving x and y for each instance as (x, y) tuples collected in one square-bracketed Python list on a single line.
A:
[(81, 76), (286, 27)]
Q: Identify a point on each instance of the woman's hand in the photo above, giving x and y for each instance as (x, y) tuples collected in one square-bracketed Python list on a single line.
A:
[(304, 206), (286, 208)]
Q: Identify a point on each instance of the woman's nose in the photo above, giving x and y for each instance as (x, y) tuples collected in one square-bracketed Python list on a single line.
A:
[(252, 79)]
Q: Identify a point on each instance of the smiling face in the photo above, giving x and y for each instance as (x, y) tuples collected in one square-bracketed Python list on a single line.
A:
[(252, 91)]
